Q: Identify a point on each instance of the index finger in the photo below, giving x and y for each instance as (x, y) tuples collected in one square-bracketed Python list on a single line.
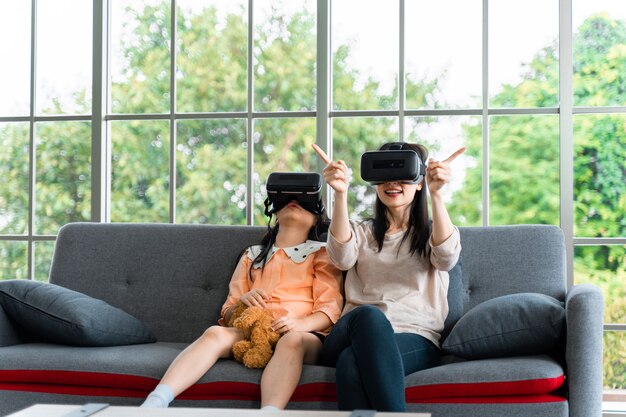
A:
[(321, 153), (455, 154)]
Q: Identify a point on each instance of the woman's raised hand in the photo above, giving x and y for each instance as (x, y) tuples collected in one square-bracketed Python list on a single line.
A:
[(336, 176), (438, 172), (336, 172), (255, 297)]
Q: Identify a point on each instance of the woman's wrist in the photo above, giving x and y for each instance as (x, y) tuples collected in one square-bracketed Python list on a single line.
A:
[(436, 199), (340, 195)]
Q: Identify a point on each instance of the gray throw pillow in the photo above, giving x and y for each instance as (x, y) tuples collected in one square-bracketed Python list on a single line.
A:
[(8, 333), (511, 325), (50, 313)]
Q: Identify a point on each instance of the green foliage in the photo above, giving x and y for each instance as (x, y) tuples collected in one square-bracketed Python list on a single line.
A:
[(145, 83), (140, 167), (14, 139), (211, 169), (63, 186), (611, 283), (599, 62), (600, 152), (285, 52), (211, 156), (212, 62), (614, 368)]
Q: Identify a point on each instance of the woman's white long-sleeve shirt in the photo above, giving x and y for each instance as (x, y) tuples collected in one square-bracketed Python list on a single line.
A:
[(410, 289)]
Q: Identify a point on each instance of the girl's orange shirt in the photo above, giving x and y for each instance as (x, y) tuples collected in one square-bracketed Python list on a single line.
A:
[(300, 281)]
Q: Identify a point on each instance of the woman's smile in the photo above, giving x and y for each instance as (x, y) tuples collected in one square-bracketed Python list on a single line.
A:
[(393, 192)]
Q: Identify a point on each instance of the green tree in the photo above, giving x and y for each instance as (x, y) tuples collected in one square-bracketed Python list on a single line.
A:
[(528, 145), (210, 154), (524, 169), (211, 60)]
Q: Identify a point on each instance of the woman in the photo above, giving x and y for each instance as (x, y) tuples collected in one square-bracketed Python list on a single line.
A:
[(396, 285)]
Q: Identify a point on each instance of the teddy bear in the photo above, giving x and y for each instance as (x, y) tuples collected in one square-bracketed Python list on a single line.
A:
[(257, 348)]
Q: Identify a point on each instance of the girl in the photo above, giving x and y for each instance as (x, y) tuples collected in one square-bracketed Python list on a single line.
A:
[(396, 285), (290, 275)]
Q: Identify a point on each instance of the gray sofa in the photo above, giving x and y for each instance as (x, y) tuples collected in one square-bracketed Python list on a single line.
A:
[(174, 278)]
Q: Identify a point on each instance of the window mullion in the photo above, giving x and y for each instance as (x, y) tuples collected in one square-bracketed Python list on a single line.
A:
[(323, 99), (566, 128), (100, 169), (32, 142), (250, 120), (401, 78), (172, 114), (485, 114)]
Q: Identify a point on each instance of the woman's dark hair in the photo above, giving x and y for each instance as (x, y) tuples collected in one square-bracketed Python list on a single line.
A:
[(318, 232), (419, 223)]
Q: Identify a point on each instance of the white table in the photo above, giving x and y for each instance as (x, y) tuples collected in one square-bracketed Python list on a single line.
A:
[(49, 410)]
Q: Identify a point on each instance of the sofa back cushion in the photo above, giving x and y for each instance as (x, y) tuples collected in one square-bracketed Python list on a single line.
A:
[(174, 278), (501, 260)]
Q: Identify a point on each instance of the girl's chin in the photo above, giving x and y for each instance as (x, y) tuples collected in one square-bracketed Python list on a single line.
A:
[(296, 215)]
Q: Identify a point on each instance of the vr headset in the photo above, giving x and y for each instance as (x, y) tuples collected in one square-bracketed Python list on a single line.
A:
[(393, 164), (304, 187)]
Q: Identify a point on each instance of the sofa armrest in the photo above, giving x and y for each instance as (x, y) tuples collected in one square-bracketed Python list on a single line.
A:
[(8, 333), (584, 314)]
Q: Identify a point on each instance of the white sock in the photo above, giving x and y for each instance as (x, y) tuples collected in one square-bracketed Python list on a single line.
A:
[(270, 408), (161, 397)]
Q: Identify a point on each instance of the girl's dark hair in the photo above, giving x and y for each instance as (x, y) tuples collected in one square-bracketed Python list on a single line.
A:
[(419, 223), (318, 232)]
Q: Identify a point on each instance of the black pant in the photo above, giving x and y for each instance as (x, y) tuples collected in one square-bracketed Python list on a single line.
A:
[(372, 360)]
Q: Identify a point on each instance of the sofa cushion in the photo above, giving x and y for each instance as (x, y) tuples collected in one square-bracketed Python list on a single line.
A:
[(510, 325), (134, 371), (492, 380), (51, 313)]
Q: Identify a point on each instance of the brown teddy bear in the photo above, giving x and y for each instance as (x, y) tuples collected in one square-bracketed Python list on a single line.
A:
[(257, 348)]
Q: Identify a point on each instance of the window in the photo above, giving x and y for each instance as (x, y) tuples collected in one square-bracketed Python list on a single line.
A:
[(45, 129), (599, 151), (193, 106)]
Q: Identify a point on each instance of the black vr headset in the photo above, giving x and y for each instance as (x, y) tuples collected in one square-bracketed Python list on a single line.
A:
[(304, 187), (392, 164)]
